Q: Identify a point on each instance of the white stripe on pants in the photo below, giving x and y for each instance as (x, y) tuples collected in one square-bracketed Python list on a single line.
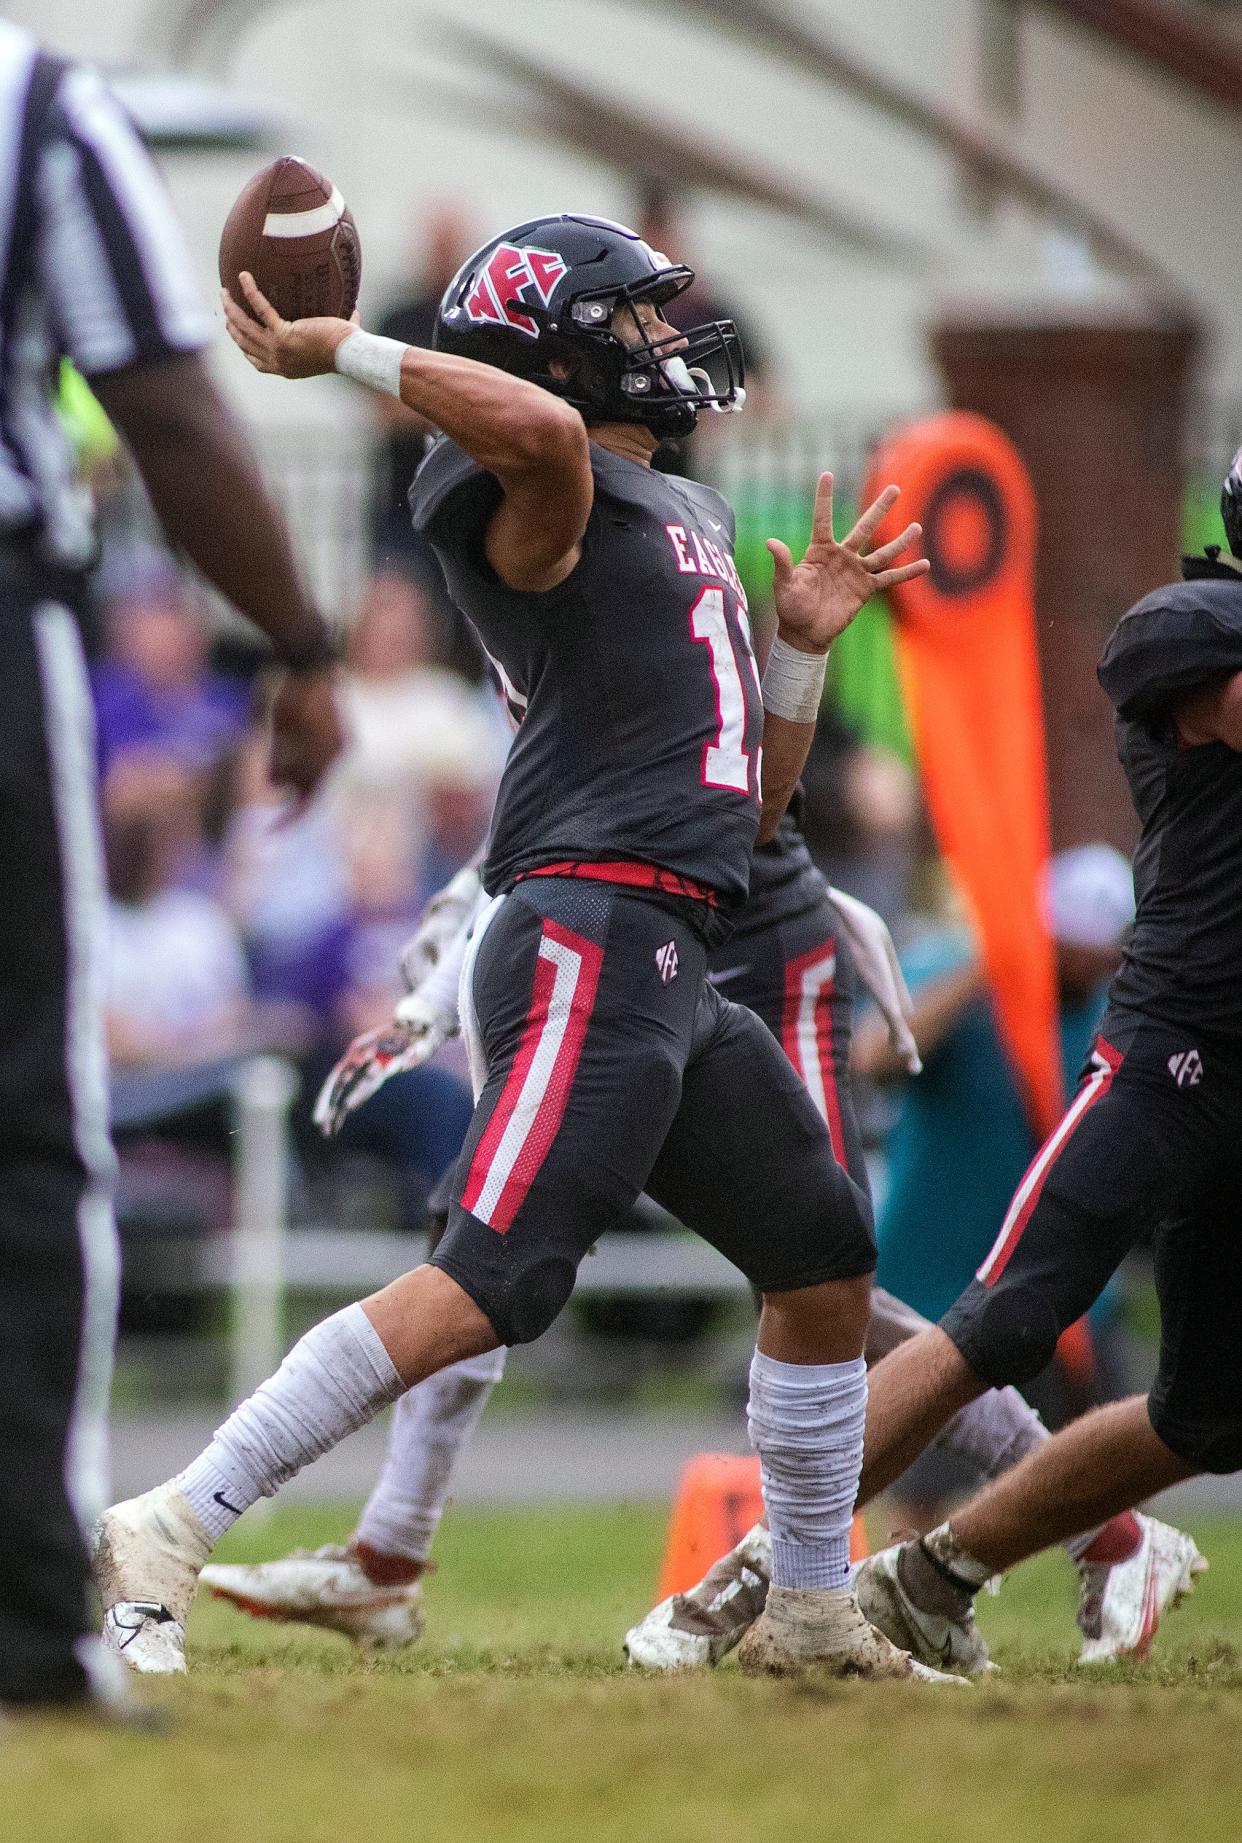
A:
[(70, 730)]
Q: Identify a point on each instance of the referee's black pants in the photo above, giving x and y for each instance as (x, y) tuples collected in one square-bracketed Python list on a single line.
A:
[(58, 1251)]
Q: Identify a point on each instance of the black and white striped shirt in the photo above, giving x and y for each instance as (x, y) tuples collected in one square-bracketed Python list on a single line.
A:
[(93, 267)]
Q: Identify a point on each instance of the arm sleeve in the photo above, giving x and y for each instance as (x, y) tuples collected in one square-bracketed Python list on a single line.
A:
[(109, 248)]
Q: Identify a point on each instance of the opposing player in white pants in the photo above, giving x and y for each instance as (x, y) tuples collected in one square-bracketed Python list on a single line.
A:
[(370, 1588)]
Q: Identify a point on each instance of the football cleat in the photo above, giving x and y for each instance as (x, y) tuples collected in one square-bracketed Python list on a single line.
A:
[(923, 1625), (324, 1587), (824, 1631), (1121, 1604), (146, 1556), (694, 1630)]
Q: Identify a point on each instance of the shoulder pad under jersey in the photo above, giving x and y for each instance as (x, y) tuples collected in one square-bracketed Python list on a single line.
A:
[(716, 508), (443, 472), (1174, 639)]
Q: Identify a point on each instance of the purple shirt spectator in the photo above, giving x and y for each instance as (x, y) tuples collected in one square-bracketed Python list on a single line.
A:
[(193, 723), (153, 688)]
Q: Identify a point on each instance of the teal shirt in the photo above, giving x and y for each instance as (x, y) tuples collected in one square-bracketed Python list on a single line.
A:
[(960, 1143)]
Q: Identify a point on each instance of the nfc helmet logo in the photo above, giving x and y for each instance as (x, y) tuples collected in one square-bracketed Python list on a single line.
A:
[(502, 288)]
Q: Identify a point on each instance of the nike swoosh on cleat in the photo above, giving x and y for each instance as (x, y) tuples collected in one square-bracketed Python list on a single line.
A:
[(144, 1610)]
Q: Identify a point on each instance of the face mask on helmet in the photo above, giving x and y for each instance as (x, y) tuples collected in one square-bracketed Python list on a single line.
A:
[(663, 383)]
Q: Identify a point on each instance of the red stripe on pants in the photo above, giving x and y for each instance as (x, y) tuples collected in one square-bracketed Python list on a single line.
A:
[(527, 1116), (1107, 1062), (806, 1033)]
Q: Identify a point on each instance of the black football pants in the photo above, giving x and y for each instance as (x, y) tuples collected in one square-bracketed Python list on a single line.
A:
[(1149, 1148), (58, 1257), (613, 1067)]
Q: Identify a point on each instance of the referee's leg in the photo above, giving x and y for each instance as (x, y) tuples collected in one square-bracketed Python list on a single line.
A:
[(58, 1254)]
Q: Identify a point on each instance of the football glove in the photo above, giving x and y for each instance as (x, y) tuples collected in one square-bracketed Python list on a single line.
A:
[(411, 1039), (440, 923), (871, 945)]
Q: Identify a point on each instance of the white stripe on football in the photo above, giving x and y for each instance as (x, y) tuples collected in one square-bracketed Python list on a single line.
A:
[(305, 223)]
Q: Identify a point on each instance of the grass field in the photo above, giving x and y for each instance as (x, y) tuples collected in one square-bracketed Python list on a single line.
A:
[(515, 1721)]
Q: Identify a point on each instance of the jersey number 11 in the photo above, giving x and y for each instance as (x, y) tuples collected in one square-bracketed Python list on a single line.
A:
[(726, 763)]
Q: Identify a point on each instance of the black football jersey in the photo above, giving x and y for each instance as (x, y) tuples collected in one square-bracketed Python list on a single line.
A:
[(1183, 964), (784, 881), (633, 682)]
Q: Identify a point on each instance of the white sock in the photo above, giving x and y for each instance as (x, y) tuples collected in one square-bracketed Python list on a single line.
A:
[(806, 1423), (994, 1433), (334, 1380), (430, 1425)]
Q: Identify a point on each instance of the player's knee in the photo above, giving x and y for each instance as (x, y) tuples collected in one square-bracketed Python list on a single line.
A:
[(533, 1300), (1007, 1335), (1208, 1446)]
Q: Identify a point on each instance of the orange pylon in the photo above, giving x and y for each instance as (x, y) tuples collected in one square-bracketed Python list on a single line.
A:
[(718, 1499)]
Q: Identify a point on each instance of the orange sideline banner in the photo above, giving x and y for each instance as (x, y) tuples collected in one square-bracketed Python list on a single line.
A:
[(966, 652)]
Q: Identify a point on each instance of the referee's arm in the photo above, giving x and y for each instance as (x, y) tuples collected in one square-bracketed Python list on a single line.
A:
[(130, 318)]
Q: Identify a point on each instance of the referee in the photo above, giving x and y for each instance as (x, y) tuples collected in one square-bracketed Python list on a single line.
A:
[(92, 267)]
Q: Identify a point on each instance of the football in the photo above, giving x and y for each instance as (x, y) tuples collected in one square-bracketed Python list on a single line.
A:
[(296, 235)]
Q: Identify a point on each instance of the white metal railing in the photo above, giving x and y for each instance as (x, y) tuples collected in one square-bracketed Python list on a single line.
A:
[(262, 1258)]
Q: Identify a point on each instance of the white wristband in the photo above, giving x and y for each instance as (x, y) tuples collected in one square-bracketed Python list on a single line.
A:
[(793, 682), (371, 359)]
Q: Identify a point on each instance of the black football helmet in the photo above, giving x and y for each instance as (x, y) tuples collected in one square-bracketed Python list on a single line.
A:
[(539, 301), (1231, 505)]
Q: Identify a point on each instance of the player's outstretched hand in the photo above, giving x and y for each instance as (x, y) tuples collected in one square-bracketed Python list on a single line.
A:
[(289, 348), (413, 1037), (818, 598)]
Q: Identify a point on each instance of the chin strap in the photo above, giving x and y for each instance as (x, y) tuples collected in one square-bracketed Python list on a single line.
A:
[(694, 383)]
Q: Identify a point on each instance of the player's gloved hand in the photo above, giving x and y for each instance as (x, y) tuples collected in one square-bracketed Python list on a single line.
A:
[(416, 1032), (875, 956), (438, 926)]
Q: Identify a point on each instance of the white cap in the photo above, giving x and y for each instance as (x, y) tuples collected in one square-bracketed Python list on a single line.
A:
[(1089, 892)]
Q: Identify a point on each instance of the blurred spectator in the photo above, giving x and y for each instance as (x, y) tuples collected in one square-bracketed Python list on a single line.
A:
[(661, 223), (448, 238), (861, 815), (414, 724), (153, 687), (415, 1125), (325, 902), (962, 1137), (178, 990), (288, 887)]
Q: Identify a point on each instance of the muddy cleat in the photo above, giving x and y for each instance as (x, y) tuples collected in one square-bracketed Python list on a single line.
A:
[(694, 1630), (824, 1631), (902, 1592), (146, 1556), (324, 1587), (1121, 1604)]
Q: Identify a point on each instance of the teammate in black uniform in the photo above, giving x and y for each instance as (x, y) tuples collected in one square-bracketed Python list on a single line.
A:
[(619, 852), (1149, 1148)]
